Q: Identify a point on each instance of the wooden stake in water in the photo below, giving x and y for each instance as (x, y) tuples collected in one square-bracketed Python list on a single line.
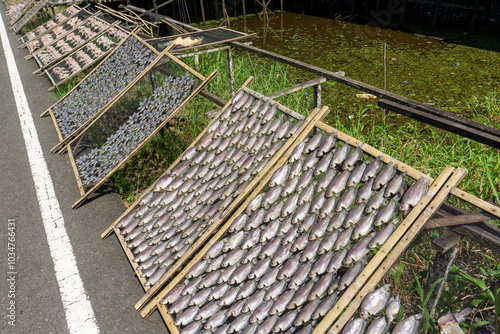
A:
[(385, 66)]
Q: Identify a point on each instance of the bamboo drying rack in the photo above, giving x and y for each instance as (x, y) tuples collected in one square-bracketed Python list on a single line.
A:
[(415, 220), (56, 83), (68, 139), (85, 193), (150, 292)]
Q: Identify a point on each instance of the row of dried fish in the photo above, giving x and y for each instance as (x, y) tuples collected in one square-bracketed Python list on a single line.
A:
[(56, 20), (300, 243), (17, 10), (89, 54), (70, 42), (166, 98), (372, 306), (27, 15), (193, 195), (102, 85), (56, 33)]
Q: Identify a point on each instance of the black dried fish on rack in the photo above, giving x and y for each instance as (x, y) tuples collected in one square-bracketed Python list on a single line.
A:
[(154, 110), (102, 85)]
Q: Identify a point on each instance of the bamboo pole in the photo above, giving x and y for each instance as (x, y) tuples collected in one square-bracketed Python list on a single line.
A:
[(230, 70), (203, 12)]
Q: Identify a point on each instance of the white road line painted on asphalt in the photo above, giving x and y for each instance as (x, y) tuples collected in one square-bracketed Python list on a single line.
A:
[(79, 314)]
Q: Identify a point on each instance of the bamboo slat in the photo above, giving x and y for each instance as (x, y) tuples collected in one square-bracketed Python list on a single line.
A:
[(84, 127)]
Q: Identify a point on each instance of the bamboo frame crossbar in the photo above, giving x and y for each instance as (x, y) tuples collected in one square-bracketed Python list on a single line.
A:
[(26, 40)]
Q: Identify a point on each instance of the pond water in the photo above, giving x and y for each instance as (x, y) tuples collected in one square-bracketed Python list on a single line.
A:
[(418, 67)]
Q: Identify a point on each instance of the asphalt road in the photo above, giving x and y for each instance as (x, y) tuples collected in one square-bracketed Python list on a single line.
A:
[(108, 278)]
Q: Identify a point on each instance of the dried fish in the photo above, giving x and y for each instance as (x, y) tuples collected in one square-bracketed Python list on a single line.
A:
[(415, 193)]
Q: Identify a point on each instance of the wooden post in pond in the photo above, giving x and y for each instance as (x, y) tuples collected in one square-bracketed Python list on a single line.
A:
[(244, 16), (403, 10), (230, 69), (447, 249), (317, 95), (281, 4), (435, 15), (202, 12), (473, 17), (385, 66)]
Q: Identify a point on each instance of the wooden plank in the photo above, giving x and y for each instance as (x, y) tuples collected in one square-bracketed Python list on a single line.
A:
[(456, 220), (461, 129), (145, 141), (109, 230), (400, 247), (393, 240), (483, 233), (261, 179), (169, 321), (297, 87)]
